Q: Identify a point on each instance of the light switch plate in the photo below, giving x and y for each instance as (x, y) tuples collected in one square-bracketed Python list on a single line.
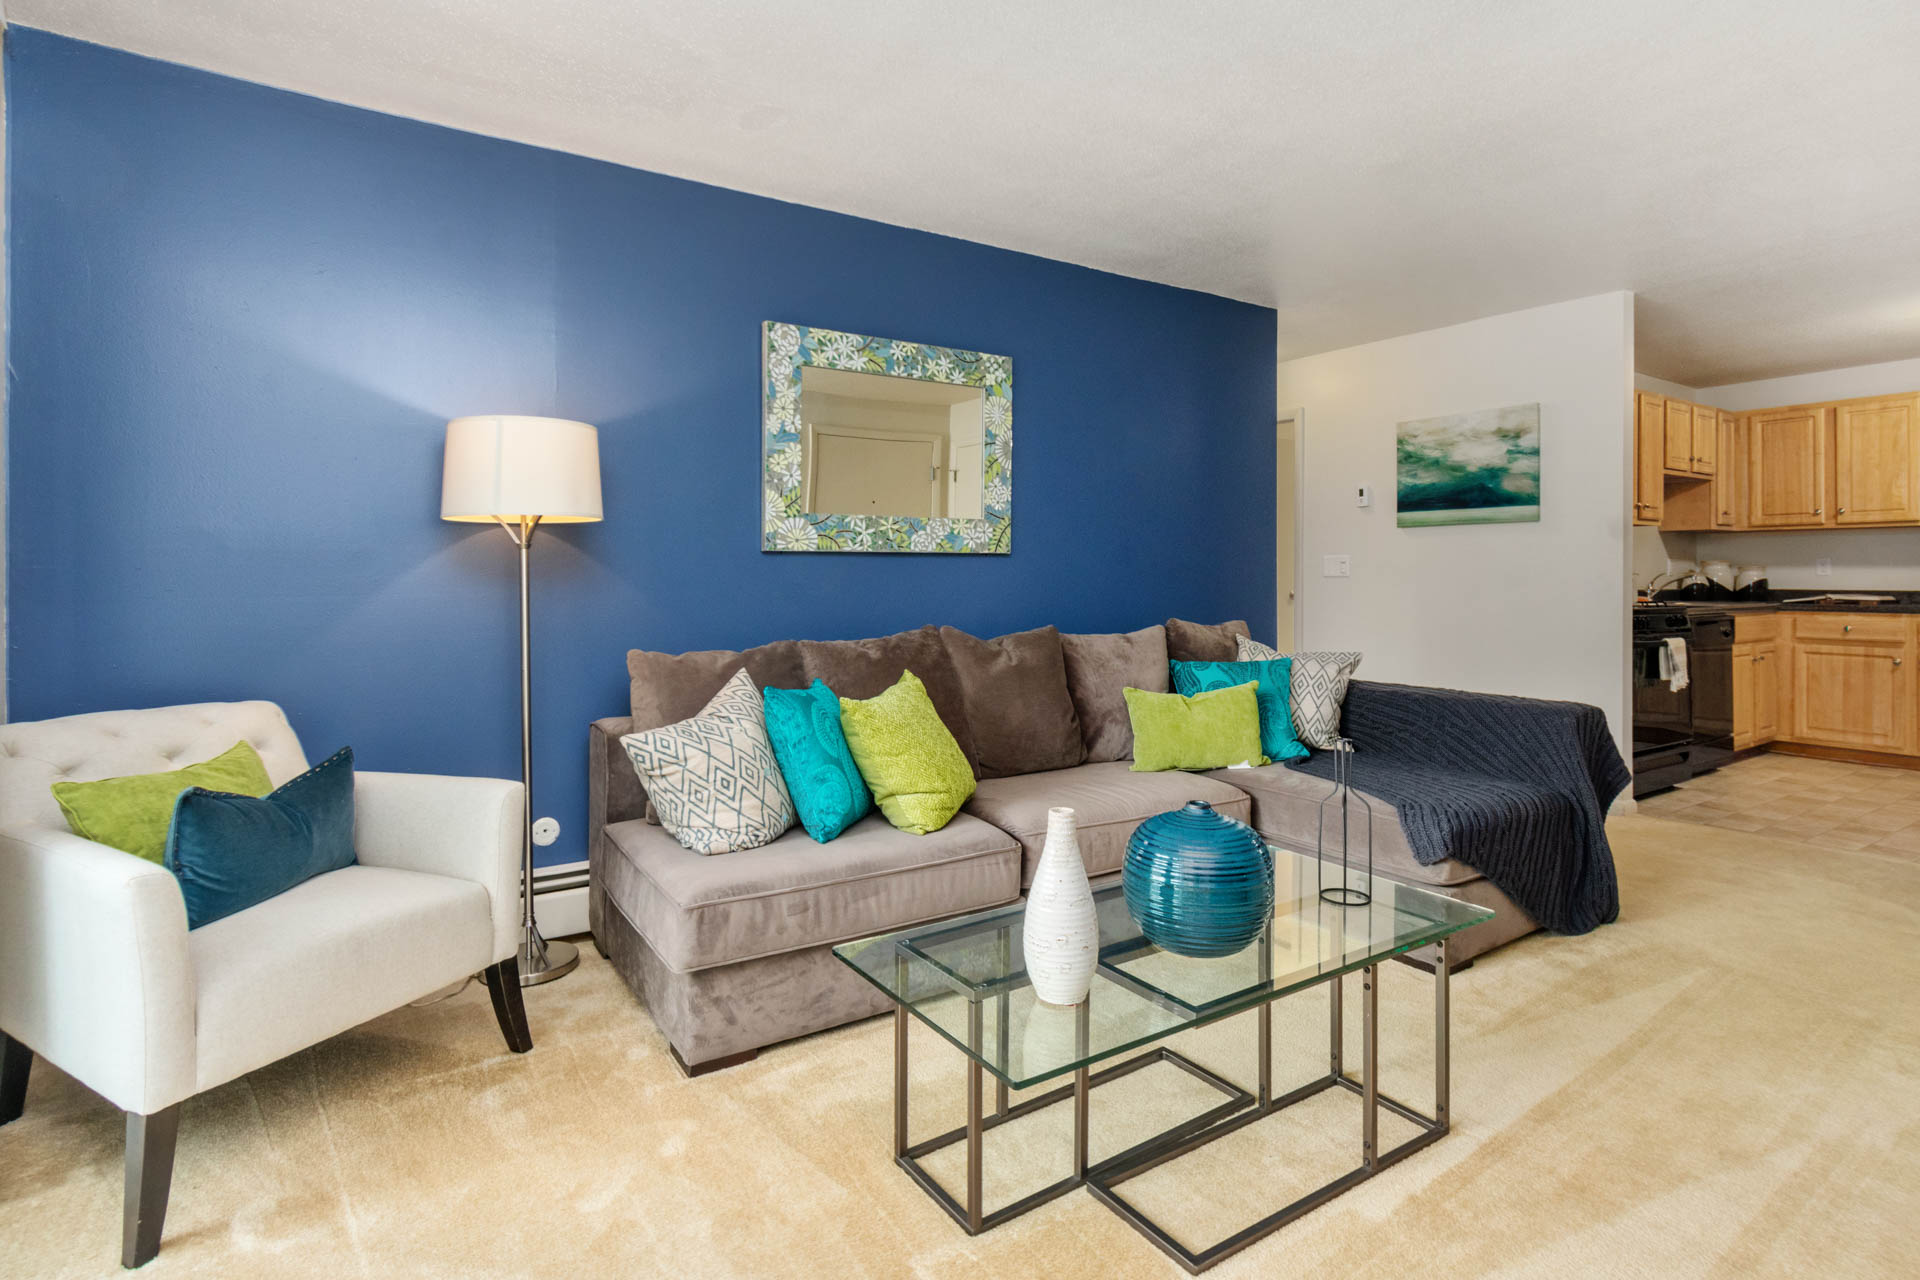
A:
[(1336, 567)]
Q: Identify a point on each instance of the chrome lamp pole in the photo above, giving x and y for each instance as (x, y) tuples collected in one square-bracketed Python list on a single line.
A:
[(540, 960), (519, 472)]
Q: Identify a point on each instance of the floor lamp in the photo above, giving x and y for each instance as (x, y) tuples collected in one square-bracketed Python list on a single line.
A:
[(519, 473)]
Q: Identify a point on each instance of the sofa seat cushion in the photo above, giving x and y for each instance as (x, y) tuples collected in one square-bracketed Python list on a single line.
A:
[(698, 912), (1286, 805), (327, 955), (1109, 800)]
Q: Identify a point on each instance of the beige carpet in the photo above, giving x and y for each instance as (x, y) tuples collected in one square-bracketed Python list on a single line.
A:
[(1726, 1083)]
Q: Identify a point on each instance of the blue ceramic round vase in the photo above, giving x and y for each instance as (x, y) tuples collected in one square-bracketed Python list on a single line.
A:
[(1197, 882)]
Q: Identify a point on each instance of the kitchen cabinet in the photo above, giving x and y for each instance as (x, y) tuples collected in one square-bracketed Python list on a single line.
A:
[(1649, 448), (1787, 467), (1727, 475), (1851, 681), (1756, 680), (1679, 437), (1876, 452), (1756, 694), (1706, 439)]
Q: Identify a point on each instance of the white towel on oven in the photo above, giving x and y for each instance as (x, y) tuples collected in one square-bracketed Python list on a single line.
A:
[(1673, 663)]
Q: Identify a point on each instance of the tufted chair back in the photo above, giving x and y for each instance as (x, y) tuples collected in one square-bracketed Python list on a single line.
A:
[(110, 744)]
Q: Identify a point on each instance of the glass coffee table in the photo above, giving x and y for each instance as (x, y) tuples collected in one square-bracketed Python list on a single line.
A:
[(966, 979)]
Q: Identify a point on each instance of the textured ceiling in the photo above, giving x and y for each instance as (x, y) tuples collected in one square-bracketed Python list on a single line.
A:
[(1750, 168)]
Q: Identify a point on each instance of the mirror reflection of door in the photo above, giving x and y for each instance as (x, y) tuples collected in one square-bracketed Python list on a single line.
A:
[(874, 445), (872, 473)]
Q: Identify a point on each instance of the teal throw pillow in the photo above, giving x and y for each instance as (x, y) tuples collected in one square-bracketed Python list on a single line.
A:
[(804, 726), (1273, 679), (231, 852)]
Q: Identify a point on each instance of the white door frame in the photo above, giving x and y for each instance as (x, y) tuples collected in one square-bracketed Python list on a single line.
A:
[(1290, 423)]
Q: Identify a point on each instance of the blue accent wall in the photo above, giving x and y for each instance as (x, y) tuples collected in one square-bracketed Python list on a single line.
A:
[(241, 317)]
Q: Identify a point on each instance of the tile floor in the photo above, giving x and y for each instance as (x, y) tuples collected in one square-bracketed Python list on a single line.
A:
[(1825, 803)]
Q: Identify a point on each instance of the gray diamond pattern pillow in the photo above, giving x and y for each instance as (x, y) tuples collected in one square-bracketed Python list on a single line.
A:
[(1316, 690), (713, 778)]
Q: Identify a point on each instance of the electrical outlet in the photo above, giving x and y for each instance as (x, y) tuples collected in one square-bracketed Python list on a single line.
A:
[(546, 831), (1823, 567), (1336, 566)]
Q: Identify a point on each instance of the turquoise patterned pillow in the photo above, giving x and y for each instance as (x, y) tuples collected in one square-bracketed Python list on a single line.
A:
[(826, 785), (1273, 680)]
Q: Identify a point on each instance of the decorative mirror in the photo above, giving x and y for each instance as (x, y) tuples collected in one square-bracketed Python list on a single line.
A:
[(876, 445)]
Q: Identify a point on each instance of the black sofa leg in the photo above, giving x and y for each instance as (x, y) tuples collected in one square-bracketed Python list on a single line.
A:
[(150, 1141), (16, 1060), (503, 984)]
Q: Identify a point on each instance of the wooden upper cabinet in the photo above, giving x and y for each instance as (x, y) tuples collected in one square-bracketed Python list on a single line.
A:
[(1876, 454), (1649, 451), (1706, 439), (1679, 440), (1787, 468), (1726, 474)]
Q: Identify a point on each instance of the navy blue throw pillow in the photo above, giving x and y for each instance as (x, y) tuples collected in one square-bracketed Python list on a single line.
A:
[(231, 852)]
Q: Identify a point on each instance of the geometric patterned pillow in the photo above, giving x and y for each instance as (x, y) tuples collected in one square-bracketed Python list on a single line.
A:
[(714, 778), (1319, 686)]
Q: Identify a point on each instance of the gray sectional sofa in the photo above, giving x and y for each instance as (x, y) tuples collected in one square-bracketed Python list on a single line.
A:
[(733, 952)]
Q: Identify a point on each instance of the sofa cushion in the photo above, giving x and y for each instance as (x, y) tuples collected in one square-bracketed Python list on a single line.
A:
[(327, 955), (133, 813), (1108, 800), (917, 773), (862, 669), (666, 688), (1014, 689), (1317, 687), (1286, 806), (230, 852), (713, 777), (789, 895), (1203, 642), (1098, 668)]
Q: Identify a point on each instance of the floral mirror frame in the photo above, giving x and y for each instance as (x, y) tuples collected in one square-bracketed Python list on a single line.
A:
[(787, 350)]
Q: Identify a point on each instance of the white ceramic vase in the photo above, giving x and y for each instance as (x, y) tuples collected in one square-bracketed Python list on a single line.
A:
[(1062, 936)]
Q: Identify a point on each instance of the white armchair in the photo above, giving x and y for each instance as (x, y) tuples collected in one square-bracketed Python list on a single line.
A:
[(100, 975)]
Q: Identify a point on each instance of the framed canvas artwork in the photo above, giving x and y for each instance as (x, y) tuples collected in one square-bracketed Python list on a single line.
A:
[(1470, 468)]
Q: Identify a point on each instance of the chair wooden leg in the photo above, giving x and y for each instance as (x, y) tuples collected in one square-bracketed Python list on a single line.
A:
[(16, 1060), (150, 1142), (503, 984)]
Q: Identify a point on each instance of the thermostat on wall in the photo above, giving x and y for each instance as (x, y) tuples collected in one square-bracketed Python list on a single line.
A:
[(1365, 498)]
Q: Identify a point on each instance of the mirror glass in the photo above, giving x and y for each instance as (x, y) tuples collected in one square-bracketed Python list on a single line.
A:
[(873, 444), (879, 446)]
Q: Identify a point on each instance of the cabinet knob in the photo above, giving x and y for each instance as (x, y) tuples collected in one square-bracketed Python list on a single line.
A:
[(1843, 511), (1896, 662), (1819, 511), (1846, 626)]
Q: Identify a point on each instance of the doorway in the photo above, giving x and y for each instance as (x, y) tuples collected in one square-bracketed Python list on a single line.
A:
[(1286, 529)]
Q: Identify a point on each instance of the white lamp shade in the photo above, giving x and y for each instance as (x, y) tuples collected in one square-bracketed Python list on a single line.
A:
[(504, 467)]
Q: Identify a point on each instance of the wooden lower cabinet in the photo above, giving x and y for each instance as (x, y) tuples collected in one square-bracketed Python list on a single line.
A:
[(1756, 694), (1851, 682)]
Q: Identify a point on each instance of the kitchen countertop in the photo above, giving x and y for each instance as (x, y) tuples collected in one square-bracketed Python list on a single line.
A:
[(1902, 602)]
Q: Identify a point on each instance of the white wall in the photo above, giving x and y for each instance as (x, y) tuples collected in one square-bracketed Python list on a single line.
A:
[(5, 314), (1805, 388), (1535, 609), (1863, 559)]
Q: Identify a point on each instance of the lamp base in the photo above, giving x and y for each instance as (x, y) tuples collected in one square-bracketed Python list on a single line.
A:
[(543, 961)]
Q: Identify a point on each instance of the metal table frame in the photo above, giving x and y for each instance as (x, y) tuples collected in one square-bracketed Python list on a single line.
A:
[(1239, 1109)]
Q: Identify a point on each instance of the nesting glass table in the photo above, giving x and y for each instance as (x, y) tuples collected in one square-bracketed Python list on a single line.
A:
[(966, 979)]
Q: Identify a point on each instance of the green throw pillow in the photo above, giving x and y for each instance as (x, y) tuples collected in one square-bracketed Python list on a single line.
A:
[(133, 813), (1210, 730), (915, 769)]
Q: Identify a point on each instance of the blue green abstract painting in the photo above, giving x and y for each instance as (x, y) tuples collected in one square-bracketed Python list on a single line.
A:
[(1470, 468)]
